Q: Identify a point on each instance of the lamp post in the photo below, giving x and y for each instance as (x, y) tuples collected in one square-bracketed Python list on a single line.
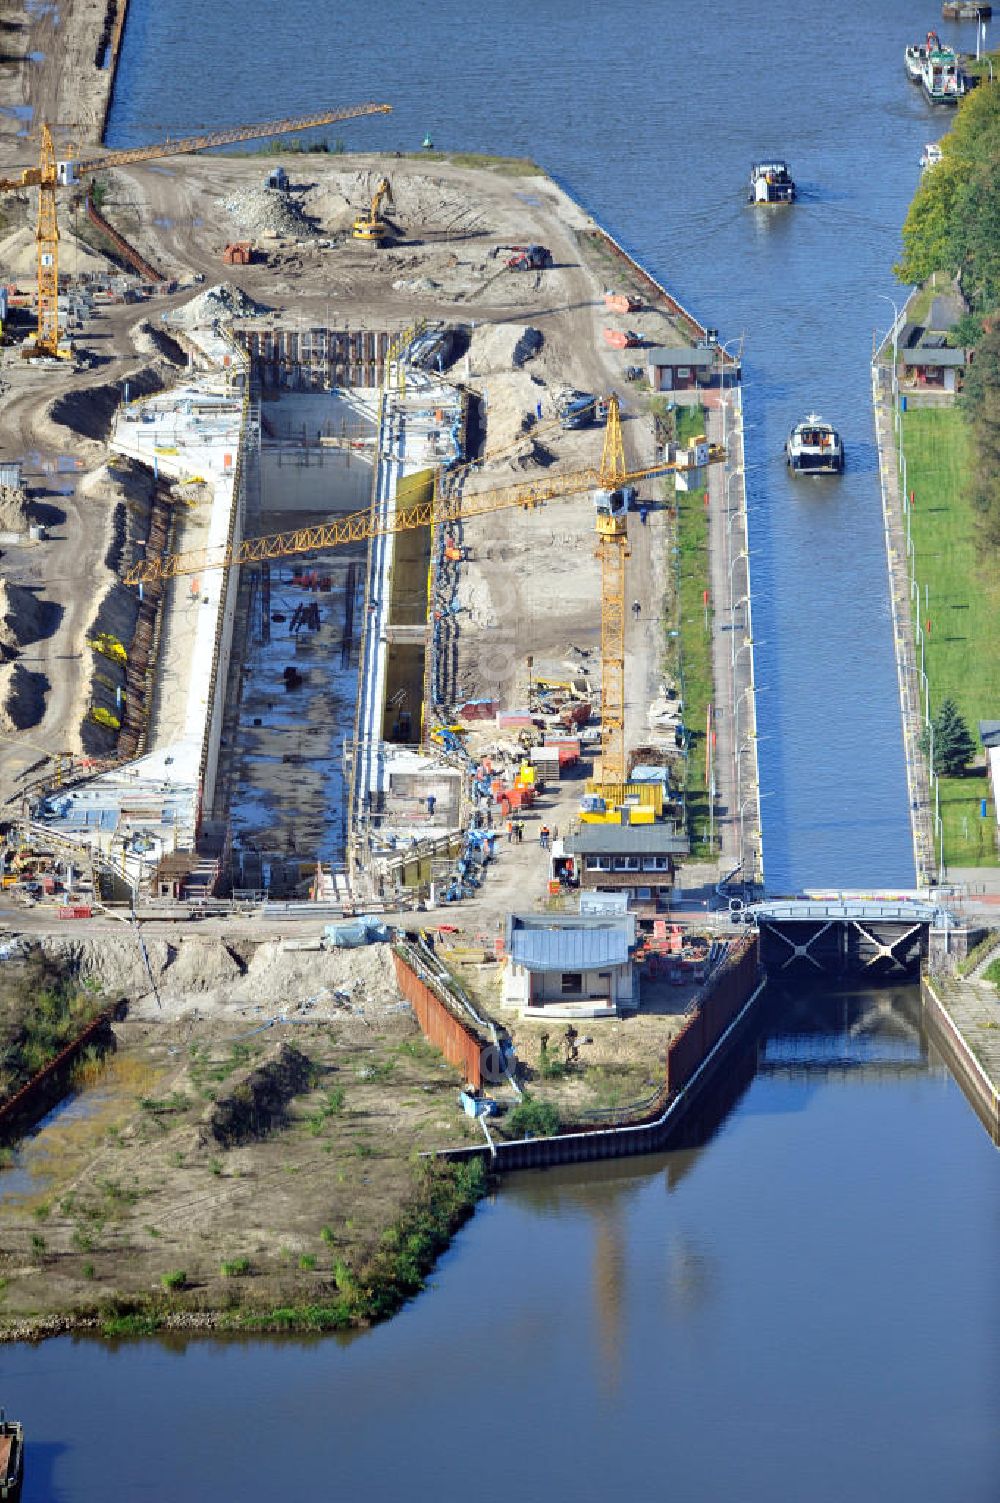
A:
[(756, 794), (895, 348), (748, 643), (723, 350), (747, 689), (739, 558)]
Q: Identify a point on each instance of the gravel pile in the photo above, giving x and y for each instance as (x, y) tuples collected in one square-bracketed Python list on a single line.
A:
[(13, 509), (255, 210), (219, 304)]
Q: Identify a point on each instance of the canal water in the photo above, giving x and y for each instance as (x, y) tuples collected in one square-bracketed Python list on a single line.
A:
[(804, 1304)]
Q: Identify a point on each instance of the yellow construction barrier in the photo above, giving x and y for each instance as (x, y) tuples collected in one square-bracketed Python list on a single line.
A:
[(616, 795)]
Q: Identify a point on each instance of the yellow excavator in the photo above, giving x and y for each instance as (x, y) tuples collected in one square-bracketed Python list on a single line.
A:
[(371, 229), (51, 173)]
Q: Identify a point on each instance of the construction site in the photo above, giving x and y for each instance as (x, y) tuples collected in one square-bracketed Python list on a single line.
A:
[(347, 508), (338, 533)]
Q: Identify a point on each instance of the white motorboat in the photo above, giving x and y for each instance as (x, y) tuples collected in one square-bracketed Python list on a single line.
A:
[(814, 447)]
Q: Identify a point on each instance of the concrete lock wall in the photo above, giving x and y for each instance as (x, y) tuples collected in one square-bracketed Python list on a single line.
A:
[(440, 1027), (724, 995), (223, 649)]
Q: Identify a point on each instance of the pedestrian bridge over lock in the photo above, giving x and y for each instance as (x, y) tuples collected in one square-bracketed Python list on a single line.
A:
[(880, 936)]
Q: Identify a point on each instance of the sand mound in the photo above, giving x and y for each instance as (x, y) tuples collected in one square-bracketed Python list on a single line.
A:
[(219, 304), (19, 254), (366, 976), (419, 202), (502, 347), (22, 698), (148, 339), (207, 975), (511, 416), (13, 509), (200, 968), (23, 618), (118, 481)]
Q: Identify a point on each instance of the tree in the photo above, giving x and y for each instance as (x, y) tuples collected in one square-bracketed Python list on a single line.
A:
[(954, 220), (953, 743), (981, 402)]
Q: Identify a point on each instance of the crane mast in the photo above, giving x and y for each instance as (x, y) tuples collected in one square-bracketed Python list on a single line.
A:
[(52, 173)]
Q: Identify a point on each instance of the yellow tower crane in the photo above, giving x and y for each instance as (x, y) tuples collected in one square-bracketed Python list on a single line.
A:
[(52, 173), (607, 483)]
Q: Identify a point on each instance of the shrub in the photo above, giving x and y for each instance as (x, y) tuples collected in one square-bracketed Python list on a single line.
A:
[(176, 1279), (307, 1262), (538, 1119), (550, 1066), (235, 1268)]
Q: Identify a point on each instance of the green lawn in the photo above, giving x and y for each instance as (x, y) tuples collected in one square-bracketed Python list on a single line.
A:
[(960, 597), (695, 643)]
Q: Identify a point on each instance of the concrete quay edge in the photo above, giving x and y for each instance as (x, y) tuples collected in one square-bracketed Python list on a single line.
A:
[(979, 1087)]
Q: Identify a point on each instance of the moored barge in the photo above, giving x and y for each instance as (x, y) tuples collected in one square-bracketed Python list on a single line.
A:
[(11, 1459)]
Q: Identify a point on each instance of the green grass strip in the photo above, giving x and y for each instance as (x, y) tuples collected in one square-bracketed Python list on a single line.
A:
[(960, 598)]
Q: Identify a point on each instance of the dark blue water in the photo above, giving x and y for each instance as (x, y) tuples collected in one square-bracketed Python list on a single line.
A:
[(803, 1309)]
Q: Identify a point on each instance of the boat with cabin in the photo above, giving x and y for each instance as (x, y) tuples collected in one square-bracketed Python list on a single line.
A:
[(11, 1459), (941, 77), (931, 155), (771, 183), (914, 57), (814, 447)]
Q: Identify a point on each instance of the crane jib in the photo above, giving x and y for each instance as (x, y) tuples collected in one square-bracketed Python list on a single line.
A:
[(224, 137)]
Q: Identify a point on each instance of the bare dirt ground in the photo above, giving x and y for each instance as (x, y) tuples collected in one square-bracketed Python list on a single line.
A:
[(450, 218), (215, 1136)]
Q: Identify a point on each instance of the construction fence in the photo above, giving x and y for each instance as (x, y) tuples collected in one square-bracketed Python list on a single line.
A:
[(459, 1044)]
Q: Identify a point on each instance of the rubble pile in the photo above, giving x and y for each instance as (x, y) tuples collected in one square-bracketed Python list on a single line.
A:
[(266, 210), (219, 304), (13, 509)]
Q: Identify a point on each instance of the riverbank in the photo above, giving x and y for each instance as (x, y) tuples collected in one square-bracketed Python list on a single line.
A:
[(221, 1164), (912, 702), (59, 69), (959, 590), (963, 1018)]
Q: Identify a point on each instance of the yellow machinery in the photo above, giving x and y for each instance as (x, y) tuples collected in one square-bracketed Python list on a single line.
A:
[(372, 229), (51, 174), (608, 483)]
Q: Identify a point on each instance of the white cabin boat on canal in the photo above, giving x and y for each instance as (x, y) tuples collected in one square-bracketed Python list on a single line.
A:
[(771, 183), (814, 447)]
